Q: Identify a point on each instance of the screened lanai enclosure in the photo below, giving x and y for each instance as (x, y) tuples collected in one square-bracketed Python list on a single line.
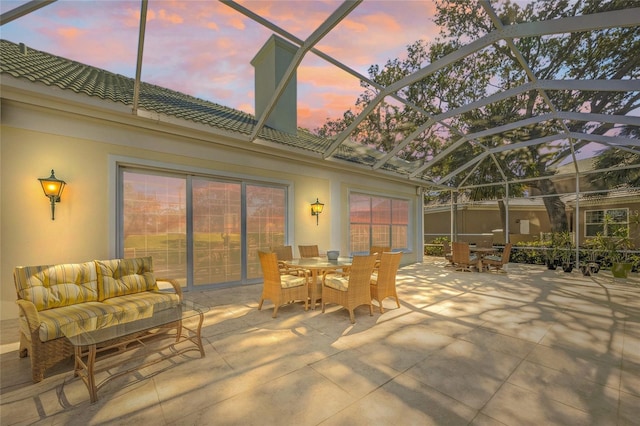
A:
[(526, 112)]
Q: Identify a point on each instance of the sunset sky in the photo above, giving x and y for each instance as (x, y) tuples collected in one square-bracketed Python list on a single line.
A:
[(204, 48)]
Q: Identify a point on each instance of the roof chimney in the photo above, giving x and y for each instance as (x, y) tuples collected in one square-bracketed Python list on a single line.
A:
[(270, 64)]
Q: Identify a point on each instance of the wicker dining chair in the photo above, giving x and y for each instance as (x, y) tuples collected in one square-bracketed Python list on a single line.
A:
[(447, 253), (383, 281), (352, 290), (462, 258), (497, 262), (309, 251), (284, 253), (378, 250), (281, 288)]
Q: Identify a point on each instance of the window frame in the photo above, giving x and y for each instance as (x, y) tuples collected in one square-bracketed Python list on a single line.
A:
[(118, 164), (375, 223), (605, 222)]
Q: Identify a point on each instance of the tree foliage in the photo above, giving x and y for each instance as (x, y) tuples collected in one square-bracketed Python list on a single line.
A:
[(601, 54)]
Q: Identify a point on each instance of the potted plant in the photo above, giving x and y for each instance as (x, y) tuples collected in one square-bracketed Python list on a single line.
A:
[(565, 246), (552, 252), (616, 246), (594, 256)]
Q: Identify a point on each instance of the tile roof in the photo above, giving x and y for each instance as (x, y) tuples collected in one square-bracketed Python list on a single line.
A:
[(36, 66)]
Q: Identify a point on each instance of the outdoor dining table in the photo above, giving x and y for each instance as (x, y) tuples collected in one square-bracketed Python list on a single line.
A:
[(317, 265), (481, 252)]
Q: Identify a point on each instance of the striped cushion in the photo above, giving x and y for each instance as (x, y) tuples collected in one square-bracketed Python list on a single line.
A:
[(93, 314), (54, 286), (374, 278), (339, 283), (118, 277), (288, 281), (141, 301)]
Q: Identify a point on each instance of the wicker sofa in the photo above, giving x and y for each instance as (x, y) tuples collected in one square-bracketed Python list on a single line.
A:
[(50, 296)]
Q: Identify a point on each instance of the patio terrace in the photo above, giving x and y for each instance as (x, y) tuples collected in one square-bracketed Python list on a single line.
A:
[(526, 347)]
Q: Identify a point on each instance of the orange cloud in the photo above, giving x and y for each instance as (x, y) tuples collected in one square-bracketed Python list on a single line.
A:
[(70, 33), (237, 23), (172, 18)]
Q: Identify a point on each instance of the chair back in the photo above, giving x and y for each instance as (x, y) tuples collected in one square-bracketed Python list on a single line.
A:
[(461, 252), (378, 250), (389, 264), (283, 252), (360, 272), (309, 251), (506, 253), (270, 268)]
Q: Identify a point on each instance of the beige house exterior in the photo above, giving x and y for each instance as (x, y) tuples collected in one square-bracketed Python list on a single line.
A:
[(528, 218), (84, 138)]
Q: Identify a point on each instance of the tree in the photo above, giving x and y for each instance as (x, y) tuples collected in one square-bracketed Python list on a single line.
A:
[(600, 54)]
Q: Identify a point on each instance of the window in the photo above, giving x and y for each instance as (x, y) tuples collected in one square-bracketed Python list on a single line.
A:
[(200, 230), (377, 221), (608, 222)]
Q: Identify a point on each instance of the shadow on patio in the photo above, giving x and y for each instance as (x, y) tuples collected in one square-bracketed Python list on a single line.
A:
[(529, 346)]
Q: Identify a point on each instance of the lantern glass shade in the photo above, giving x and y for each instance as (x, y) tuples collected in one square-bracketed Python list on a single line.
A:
[(52, 186), (316, 208)]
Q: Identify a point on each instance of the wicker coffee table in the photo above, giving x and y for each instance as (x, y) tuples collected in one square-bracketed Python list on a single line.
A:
[(157, 332)]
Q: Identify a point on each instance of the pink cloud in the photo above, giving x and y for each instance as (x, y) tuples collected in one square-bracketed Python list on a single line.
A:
[(70, 33), (204, 48), (237, 23)]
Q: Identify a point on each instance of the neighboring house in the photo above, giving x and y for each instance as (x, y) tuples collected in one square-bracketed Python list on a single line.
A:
[(528, 217), (480, 221), (177, 178)]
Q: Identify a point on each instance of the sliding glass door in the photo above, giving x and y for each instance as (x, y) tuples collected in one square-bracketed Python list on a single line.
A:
[(203, 231)]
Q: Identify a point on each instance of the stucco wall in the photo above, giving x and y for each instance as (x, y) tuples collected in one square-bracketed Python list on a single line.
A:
[(83, 150)]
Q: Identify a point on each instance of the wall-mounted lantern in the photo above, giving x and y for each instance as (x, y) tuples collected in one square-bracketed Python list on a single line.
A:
[(52, 187), (316, 209)]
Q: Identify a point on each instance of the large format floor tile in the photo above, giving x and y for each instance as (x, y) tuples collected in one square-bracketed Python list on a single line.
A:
[(525, 347)]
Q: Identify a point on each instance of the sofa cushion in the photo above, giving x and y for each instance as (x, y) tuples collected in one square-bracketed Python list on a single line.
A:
[(140, 302), (93, 314), (53, 286), (117, 277)]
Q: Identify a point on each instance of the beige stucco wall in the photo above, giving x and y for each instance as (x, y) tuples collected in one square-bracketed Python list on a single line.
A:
[(83, 151), (483, 219)]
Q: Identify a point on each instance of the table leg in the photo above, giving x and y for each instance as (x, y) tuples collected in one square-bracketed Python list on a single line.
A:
[(91, 379), (314, 286)]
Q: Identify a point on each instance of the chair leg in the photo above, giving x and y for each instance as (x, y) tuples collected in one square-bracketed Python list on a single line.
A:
[(352, 317), (260, 305), (275, 311), (370, 309)]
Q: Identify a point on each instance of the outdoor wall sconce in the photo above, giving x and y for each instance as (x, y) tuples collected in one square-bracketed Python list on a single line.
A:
[(52, 187), (316, 209)]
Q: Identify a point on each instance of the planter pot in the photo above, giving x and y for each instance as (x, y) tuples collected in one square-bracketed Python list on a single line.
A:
[(551, 265), (590, 268), (567, 267), (621, 270)]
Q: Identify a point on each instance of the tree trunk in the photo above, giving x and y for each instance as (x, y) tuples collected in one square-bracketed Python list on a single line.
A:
[(503, 216), (555, 206)]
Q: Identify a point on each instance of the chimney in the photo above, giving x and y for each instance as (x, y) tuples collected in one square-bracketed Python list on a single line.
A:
[(270, 64)]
